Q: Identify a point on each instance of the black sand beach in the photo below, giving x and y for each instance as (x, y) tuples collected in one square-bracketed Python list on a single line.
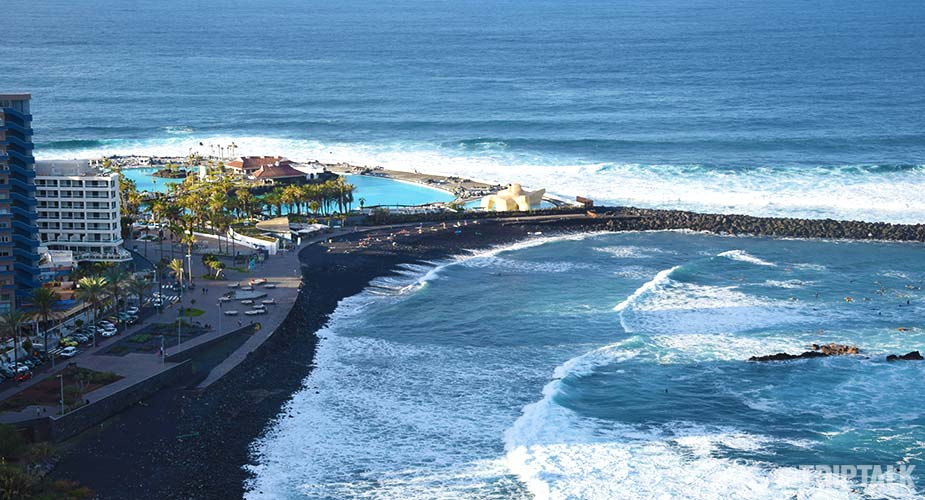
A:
[(193, 445)]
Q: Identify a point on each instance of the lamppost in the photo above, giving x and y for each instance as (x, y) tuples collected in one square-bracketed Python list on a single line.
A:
[(220, 314), (61, 379), (189, 265)]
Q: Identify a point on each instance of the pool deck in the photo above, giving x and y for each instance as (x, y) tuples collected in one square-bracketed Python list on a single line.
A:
[(464, 189)]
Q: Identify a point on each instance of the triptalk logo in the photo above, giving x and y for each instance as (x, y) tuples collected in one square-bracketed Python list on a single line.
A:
[(866, 474)]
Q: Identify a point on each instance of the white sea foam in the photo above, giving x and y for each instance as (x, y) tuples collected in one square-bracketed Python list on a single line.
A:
[(372, 434), (660, 279), (836, 193), (663, 305), (633, 252), (561, 455), (743, 256), (788, 284)]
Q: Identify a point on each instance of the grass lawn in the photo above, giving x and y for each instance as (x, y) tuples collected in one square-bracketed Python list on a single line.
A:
[(191, 311), (77, 382)]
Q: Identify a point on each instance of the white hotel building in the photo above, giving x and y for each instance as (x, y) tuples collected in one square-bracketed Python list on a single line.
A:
[(78, 210)]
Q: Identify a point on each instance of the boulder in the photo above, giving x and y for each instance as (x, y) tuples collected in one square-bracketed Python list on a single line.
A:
[(818, 351), (835, 349), (912, 356), (783, 356)]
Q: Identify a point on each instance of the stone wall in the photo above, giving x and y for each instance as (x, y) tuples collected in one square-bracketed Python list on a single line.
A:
[(196, 350), (641, 219), (83, 418)]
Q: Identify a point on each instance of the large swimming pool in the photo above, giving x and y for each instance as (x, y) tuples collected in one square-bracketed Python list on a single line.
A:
[(144, 181), (373, 190)]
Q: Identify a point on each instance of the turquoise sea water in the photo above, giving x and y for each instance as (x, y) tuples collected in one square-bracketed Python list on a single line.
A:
[(612, 366), (785, 107), (374, 190)]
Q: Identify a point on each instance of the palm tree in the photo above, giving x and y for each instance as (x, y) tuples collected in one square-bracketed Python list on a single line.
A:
[(43, 301), (92, 290), (176, 267), (245, 201), (138, 287), (116, 278), (10, 323), (189, 239), (217, 266)]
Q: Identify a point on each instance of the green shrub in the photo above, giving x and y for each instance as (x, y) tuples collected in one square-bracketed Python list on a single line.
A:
[(15, 484), (12, 443)]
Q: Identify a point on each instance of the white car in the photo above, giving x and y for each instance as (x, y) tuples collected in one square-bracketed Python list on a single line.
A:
[(231, 313), (68, 352), (109, 332), (247, 302), (268, 301), (269, 285), (132, 311), (254, 312)]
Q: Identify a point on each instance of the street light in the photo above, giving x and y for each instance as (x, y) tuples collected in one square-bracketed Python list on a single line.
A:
[(61, 378), (220, 314)]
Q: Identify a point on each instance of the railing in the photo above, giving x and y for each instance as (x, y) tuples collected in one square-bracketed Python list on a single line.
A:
[(120, 255), (25, 214)]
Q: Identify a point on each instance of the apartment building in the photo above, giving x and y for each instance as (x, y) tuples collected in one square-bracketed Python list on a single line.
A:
[(78, 210), (19, 258)]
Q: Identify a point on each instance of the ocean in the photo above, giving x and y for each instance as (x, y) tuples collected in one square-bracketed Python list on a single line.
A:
[(767, 108), (581, 367), (612, 366)]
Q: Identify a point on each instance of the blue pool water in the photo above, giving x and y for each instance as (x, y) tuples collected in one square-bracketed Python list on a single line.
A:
[(144, 181), (786, 107), (374, 190), (612, 366), (378, 191)]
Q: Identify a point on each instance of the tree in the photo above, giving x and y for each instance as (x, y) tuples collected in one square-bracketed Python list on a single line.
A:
[(116, 278), (176, 267), (10, 323), (216, 266), (92, 290), (189, 239), (43, 301), (139, 288), (245, 201)]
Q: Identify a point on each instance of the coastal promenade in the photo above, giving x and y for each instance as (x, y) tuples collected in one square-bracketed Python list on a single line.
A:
[(282, 270)]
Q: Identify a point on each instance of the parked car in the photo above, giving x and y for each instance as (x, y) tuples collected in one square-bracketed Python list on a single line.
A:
[(68, 342), (23, 375), (6, 372), (68, 352), (132, 320), (132, 311)]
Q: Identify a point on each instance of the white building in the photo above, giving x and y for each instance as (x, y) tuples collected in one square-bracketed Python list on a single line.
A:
[(78, 210)]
